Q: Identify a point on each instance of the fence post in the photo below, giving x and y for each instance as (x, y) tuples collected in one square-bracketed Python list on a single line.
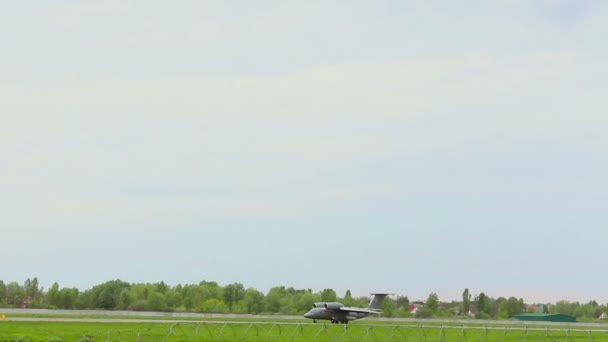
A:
[(463, 334)]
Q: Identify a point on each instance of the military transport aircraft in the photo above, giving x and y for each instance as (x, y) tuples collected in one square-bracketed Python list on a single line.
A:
[(338, 313)]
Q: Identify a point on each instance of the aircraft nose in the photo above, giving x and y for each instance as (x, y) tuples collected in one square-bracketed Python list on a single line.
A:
[(307, 315)]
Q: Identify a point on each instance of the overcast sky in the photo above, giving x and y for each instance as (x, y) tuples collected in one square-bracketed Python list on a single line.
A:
[(401, 146)]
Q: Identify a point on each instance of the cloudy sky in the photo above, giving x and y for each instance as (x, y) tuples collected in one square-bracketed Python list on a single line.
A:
[(404, 146)]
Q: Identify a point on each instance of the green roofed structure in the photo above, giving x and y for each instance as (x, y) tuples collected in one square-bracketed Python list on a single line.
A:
[(542, 317)]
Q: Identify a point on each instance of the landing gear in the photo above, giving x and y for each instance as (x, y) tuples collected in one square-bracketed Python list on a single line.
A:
[(314, 321)]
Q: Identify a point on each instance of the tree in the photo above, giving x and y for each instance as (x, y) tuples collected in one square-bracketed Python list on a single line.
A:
[(348, 299), (14, 294), (188, 299), (86, 300), (31, 287), (162, 287), (483, 303), (388, 307), (67, 298), (138, 291), (125, 299), (497, 308), (2, 293), (328, 295), (275, 299), (156, 301), (214, 305), (466, 301), (211, 289), (107, 295), (305, 301), (52, 296), (512, 306), (174, 299), (403, 302), (254, 301), (233, 293), (432, 302), (105, 300)]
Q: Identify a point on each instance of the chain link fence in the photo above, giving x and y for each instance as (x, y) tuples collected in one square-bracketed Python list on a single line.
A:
[(248, 331)]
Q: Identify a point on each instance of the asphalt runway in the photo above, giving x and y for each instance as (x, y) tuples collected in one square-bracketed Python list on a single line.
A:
[(534, 326)]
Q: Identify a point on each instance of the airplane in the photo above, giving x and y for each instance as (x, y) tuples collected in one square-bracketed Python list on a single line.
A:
[(338, 313)]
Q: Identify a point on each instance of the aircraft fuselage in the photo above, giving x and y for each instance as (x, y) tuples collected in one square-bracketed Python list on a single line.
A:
[(333, 316)]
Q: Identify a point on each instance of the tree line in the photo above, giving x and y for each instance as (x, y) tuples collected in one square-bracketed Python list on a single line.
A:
[(210, 297)]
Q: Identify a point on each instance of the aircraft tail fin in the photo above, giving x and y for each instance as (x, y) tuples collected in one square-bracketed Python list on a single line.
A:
[(377, 300)]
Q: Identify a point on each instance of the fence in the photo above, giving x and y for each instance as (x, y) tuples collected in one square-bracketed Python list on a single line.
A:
[(258, 331)]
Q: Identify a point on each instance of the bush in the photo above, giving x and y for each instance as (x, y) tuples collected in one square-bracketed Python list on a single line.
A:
[(140, 305), (424, 313), (482, 315), (503, 316)]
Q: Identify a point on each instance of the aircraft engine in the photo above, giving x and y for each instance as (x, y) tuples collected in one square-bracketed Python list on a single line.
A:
[(328, 305), (333, 305)]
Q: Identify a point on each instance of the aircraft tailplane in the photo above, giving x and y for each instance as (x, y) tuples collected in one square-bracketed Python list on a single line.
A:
[(377, 300)]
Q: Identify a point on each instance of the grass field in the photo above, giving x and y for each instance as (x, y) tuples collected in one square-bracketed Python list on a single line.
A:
[(264, 331)]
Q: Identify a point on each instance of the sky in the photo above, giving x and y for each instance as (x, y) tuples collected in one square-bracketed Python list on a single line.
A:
[(401, 146)]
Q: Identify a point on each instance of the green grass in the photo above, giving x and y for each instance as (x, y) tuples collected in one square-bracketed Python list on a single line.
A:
[(263, 331)]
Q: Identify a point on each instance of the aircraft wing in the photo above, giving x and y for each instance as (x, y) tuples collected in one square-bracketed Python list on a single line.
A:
[(358, 310)]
